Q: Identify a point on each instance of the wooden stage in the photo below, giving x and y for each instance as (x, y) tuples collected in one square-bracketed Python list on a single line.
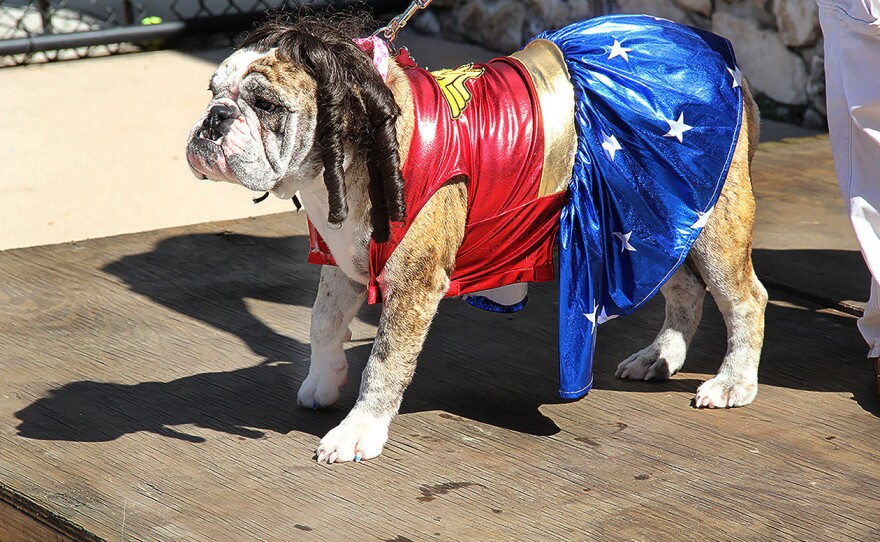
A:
[(147, 392)]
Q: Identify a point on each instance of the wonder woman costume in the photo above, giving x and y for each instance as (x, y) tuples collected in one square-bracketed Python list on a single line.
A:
[(614, 134)]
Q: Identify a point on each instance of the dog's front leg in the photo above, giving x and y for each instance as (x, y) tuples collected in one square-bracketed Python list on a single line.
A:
[(404, 323), (416, 277), (336, 304)]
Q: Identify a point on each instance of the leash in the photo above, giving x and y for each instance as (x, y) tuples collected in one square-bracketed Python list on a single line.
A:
[(389, 31)]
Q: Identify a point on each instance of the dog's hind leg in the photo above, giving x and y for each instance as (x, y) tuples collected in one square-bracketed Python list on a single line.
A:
[(723, 256), (684, 293), (720, 260), (336, 304)]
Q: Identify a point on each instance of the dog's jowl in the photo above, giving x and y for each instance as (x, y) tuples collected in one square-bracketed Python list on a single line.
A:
[(624, 140)]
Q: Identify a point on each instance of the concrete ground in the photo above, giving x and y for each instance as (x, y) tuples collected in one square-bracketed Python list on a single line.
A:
[(94, 147)]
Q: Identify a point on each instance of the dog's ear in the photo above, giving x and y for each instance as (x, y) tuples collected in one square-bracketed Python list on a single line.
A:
[(353, 102)]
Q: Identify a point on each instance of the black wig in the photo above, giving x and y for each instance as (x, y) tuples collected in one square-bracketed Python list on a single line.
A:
[(353, 104)]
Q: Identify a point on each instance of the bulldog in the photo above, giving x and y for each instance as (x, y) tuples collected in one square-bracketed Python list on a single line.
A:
[(420, 185)]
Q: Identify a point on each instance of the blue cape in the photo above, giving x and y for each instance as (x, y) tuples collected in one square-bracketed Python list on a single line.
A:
[(658, 110)]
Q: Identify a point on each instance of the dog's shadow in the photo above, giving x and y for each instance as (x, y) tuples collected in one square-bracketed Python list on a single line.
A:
[(212, 278), (495, 369)]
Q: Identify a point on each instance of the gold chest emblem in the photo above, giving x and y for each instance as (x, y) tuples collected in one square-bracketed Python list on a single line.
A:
[(452, 85)]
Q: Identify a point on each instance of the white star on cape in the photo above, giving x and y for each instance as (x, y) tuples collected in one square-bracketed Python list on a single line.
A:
[(702, 218), (677, 128), (624, 241), (591, 316), (619, 50), (611, 145), (604, 317), (737, 76)]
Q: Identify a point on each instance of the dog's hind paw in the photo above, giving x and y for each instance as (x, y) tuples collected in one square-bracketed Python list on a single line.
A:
[(358, 437), (721, 392), (648, 364)]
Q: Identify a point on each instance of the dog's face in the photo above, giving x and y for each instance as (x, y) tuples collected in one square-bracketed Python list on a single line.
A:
[(259, 128)]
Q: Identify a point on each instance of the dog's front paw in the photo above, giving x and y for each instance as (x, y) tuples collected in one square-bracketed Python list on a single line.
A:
[(650, 364), (358, 437), (725, 392), (320, 389)]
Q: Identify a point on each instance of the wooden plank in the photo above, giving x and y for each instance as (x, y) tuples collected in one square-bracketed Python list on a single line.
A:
[(149, 381), (18, 526), (803, 239)]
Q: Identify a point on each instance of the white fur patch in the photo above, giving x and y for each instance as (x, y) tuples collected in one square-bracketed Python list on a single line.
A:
[(726, 392), (320, 389), (359, 436), (341, 240), (229, 75)]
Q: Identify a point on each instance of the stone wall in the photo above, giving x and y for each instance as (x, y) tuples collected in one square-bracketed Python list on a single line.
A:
[(778, 43)]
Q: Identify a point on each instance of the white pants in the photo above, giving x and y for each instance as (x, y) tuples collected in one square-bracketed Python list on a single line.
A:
[(852, 76)]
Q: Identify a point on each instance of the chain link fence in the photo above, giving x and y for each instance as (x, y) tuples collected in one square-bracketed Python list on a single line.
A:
[(46, 30)]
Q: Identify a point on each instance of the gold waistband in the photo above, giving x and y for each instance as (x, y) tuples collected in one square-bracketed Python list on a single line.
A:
[(545, 63)]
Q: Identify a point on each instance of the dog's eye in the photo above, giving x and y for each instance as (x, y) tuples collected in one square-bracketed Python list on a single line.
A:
[(264, 105)]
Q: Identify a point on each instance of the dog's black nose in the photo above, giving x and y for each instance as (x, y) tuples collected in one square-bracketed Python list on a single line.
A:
[(218, 122)]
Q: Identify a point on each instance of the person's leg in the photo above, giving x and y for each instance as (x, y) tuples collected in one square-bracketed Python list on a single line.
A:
[(852, 60)]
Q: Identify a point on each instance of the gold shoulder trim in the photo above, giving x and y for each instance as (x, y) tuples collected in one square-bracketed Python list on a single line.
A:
[(546, 65)]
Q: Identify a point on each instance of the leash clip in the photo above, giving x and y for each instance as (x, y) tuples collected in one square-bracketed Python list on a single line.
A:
[(389, 31)]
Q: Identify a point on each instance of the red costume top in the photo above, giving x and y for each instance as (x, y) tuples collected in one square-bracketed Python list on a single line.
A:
[(485, 122)]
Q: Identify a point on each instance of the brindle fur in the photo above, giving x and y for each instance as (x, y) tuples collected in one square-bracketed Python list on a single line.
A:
[(417, 276)]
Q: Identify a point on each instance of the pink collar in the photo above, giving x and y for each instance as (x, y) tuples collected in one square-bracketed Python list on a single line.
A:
[(377, 48)]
